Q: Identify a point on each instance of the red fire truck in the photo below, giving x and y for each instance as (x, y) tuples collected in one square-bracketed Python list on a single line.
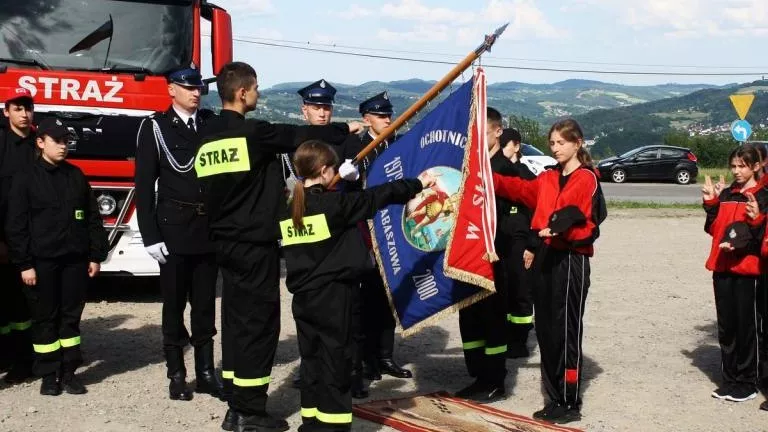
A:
[(98, 65)]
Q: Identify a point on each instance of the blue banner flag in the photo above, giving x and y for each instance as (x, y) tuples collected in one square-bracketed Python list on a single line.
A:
[(410, 240)]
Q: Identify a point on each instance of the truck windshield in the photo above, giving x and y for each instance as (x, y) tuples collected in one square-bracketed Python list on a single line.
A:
[(151, 36)]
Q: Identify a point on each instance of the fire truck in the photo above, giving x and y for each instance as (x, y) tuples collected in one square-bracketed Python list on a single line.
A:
[(99, 66)]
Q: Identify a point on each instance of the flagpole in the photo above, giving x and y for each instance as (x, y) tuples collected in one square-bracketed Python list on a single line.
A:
[(429, 95)]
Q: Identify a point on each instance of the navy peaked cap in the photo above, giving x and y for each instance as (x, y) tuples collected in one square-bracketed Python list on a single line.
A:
[(319, 93), (378, 104)]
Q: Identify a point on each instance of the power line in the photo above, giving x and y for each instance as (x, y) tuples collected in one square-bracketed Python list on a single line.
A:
[(445, 54), (491, 66)]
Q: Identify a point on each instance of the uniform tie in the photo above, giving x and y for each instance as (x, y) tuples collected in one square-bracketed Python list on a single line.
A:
[(191, 124)]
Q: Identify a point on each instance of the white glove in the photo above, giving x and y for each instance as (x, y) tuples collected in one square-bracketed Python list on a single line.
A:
[(348, 171), (158, 251)]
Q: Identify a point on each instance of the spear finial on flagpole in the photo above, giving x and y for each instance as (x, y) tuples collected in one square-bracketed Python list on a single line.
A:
[(429, 95)]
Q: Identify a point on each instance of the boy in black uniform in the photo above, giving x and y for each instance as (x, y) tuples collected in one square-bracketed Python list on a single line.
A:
[(17, 153), (244, 186), (174, 228), (56, 239), (324, 258), (377, 320)]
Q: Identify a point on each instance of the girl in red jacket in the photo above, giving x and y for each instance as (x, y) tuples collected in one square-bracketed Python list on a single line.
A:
[(734, 220), (568, 207)]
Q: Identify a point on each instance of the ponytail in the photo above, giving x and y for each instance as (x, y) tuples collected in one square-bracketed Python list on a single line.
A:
[(584, 157), (297, 205)]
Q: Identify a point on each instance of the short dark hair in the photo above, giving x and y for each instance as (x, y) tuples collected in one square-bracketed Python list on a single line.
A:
[(232, 77), (25, 102), (493, 116)]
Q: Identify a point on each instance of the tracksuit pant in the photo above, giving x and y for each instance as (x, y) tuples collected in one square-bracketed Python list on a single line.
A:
[(187, 278), (56, 303), (737, 326), (483, 327), (325, 332), (377, 320), (513, 275), (559, 302), (762, 331), (15, 321), (251, 274)]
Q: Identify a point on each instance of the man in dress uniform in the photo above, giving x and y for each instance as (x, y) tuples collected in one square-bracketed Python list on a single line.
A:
[(174, 227), (377, 320), (17, 152)]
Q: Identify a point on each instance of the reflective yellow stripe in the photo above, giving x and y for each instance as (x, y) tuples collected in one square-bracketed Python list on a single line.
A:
[(70, 342), (20, 326), (250, 382), (44, 349), (223, 156), (309, 412), (496, 350), (334, 418), (315, 230), (79, 214), (520, 319), (473, 345), (5, 330), (228, 374)]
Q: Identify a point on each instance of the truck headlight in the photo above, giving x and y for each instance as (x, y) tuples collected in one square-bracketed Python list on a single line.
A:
[(107, 204)]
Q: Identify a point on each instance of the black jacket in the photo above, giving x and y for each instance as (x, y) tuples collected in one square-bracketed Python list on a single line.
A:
[(244, 200), (16, 154), (52, 213), (330, 247), (366, 139), (513, 219), (176, 214)]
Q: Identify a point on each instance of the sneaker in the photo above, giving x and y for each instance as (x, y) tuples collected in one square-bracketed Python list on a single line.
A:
[(557, 413), (722, 392), (742, 393), (489, 394)]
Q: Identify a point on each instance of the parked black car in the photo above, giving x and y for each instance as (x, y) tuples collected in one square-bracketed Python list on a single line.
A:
[(656, 162)]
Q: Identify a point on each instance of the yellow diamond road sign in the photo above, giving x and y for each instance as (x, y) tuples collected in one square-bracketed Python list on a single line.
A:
[(742, 103)]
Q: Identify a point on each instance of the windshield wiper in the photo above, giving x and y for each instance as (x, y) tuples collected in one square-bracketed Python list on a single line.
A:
[(25, 61), (127, 69)]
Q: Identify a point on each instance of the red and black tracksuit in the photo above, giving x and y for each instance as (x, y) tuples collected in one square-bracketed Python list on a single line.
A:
[(563, 260), (735, 276), (324, 262)]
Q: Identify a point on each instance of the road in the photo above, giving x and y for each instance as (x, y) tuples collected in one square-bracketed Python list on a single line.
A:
[(653, 192)]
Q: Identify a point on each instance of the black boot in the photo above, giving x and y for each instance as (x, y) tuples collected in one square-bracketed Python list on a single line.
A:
[(230, 420), (389, 367), (357, 389), (19, 373), (50, 385), (71, 384), (371, 370), (260, 423), (207, 380), (177, 373)]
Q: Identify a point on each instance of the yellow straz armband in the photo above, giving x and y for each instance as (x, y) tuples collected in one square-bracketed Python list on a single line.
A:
[(223, 156), (315, 230)]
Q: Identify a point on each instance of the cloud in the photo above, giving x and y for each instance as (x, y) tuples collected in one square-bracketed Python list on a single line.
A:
[(420, 33), (239, 8), (355, 11), (414, 10)]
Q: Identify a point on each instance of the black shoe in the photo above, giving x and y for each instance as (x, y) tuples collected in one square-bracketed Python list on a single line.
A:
[(471, 390), (742, 393), (19, 373), (389, 367), (296, 381), (489, 394), (357, 389), (518, 350), (554, 412), (177, 389), (71, 384), (230, 420), (371, 371), (207, 380), (260, 423), (764, 406), (50, 386), (723, 391)]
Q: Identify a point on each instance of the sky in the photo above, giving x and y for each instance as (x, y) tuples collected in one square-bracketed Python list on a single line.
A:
[(710, 36)]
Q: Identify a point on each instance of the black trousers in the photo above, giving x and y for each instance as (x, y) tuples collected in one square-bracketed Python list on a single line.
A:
[(15, 321), (559, 302), (227, 339), (377, 320), (188, 278), (251, 274), (483, 327), (737, 324), (57, 303), (762, 330), (518, 281), (325, 331)]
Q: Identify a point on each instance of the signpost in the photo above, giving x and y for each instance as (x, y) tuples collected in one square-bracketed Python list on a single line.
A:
[(741, 129)]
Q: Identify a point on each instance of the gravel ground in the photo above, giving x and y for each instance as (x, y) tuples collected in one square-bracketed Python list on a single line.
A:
[(651, 354)]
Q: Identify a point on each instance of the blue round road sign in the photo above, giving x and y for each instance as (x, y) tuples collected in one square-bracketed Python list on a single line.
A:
[(741, 130)]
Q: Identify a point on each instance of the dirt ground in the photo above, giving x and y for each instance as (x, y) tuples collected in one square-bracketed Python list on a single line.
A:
[(651, 354)]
